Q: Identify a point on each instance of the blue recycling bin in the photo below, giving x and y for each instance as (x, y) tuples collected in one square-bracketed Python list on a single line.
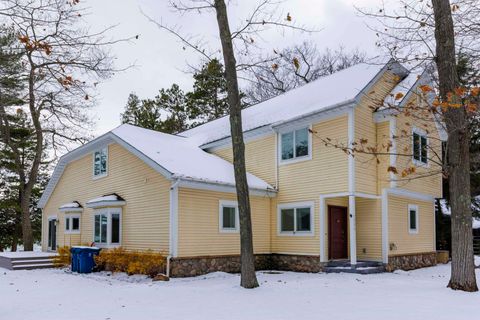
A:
[(74, 259), (83, 259)]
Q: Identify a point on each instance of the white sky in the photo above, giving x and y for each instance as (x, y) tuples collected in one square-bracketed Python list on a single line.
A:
[(160, 60)]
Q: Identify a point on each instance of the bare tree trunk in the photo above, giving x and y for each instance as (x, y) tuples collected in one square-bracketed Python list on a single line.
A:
[(463, 267), (248, 277)]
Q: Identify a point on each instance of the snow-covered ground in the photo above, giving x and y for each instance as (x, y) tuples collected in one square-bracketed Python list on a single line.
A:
[(57, 294)]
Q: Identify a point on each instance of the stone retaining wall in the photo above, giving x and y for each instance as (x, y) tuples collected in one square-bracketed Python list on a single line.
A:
[(195, 266), (411, 261)]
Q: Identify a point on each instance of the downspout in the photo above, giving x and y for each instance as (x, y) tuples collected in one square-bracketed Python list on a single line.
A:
[(173, 227)]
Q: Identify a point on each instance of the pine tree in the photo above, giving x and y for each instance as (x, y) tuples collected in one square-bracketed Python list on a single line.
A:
[(167, 112), (208, 100)]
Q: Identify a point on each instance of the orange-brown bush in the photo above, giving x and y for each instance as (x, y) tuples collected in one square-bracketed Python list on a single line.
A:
[(131, 262), (63, 258)]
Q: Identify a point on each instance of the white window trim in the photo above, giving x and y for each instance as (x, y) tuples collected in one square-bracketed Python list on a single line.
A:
[(295, 205), (415, 208), (228, 203), (95, 177), (69, 216), (416, 162), (108, 212), (294, 159)]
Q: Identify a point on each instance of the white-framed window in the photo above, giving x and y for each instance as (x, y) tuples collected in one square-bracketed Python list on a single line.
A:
[(228, 216), (72, 223), (296, 218), (419, 147), (100, 163), (412, 218), (295, 145), (107, 227)]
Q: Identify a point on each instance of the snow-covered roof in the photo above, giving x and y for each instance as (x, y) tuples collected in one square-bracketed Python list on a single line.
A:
[(182, 157), (326, 92), (73, 206), (402, 89), (110, 197), (69, 205)]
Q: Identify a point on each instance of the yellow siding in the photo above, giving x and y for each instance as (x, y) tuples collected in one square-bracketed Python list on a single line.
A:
[(198, 224), (427, 180), (260, 157), (398, 234), (326, 172), (145, 217), (365, 128), (369, 229), (383, 140)]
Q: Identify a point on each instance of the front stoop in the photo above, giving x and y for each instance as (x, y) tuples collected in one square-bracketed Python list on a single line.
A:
[(27, 263), (362, 267)]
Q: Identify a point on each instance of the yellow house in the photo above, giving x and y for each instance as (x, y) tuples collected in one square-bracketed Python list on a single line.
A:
[(313, 204)]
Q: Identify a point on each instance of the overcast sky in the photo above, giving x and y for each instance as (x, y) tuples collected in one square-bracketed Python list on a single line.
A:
[(160, 60)]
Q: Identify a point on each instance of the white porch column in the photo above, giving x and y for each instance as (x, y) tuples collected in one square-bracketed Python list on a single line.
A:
[(385, 246), (323, 257), (353, 230)]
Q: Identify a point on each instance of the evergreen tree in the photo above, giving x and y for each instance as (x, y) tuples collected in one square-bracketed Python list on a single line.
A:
[(167, 112), (208, 100), (21, 133)]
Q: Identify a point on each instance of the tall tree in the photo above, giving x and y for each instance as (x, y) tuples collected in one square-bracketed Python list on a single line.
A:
[(22, 134), (420, 32), (248, 279), (263, 16), (457, 123), (62, 63)]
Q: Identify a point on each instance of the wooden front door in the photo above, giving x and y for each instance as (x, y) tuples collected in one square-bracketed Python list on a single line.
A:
[(337, 233)]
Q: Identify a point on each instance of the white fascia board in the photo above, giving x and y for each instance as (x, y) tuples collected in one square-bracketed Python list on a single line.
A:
[(393, 66), (403, 193), (71, 210), (101, 204), (183, 183), (248, 136)]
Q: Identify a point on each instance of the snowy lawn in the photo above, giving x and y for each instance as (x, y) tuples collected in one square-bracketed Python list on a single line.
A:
[(57, 294)]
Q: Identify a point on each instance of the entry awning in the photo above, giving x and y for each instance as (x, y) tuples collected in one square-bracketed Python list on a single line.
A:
[(110, 200), (73, 206)]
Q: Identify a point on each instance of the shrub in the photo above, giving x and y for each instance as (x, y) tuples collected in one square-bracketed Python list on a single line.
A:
[(131, 262), (63, 258)]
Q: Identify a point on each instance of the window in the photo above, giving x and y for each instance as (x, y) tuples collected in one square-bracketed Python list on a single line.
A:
[(72, 223), (412, 218), (296, 219), (295, 144), (100, 158), (107, 227), (420, 145), (228, 216)]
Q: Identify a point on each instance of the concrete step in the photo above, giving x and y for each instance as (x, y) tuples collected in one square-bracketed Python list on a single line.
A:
[(362, 267), (362, 270), (32, 262), (32, 266)]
